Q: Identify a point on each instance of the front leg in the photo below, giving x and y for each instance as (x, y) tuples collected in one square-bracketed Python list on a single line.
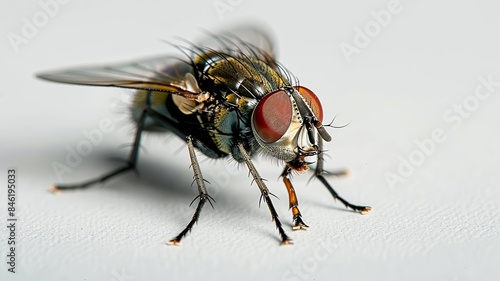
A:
[(319, 174), (298, 223), (265, 194)]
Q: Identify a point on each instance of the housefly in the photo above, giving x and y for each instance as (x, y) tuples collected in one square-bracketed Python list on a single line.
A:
[(226, 97)]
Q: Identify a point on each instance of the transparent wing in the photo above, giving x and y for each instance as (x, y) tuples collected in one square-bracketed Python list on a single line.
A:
[(168, 73), (163, 73)]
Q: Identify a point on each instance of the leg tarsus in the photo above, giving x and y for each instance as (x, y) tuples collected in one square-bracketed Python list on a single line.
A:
[(319, 173), (298, 223), (285, 240), (58, 188), (177, 240), (360, 209)]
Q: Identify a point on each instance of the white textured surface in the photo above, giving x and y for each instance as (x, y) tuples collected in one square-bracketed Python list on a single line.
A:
[(441, 223)]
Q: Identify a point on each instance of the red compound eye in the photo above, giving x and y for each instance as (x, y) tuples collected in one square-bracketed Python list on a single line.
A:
[(312, 100), (272, 116)]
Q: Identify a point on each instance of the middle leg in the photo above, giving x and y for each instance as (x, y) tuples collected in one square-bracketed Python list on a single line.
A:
[(203, 195)]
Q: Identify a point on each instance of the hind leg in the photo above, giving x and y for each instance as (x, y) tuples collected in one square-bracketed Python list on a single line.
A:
[(130, 165)]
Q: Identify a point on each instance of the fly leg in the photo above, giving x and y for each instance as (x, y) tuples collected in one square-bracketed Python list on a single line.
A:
[(265, 194), (203, 196), (319, 174), (131, 163), (298, 223)]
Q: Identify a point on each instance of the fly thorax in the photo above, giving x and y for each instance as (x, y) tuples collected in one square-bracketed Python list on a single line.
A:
[(232, 121)]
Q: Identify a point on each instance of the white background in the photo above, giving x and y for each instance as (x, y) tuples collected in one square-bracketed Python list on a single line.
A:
[(439, 222)]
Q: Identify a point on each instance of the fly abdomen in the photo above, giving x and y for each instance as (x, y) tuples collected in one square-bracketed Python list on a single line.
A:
[(154, 100)]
